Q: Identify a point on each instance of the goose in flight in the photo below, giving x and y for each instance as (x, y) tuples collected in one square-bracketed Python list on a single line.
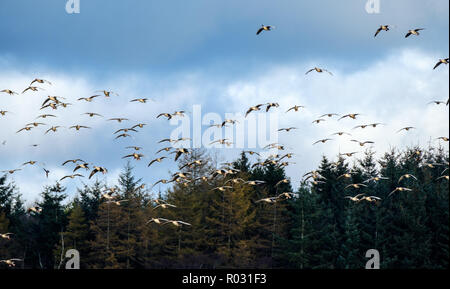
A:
[(135, 156), (107, 93), (6, 236), (8, 91), (141, 100), (92, 114), (41, 81), (400, 189), (166, 149), (117, 203), (288, 129), (270, 105), (158, 221), (329, 115), (72, 161), (71, 176), (371, 199), (179, 113), (32, 88), (29, 163), (220, 141), (164, 206), (408, 128), (35, 124), (47, 172), (355, 186), (414, 32), (156, 160), (251, 153), (441, 61), (177, 223), (162, 181), (124, 135), (295, 108), (319, 70), (350, 115), (362, 143), (53, 128), (125, 130), (45, 116), (254, 183), (355, 199), (168, 115), (341, 133), (78, 127), (322, 141), (264, 28), (222, 188), (406, 176), (375, 179), (52, 98), (179, 152), (27, 128), (11, 171), (318, 120), (348, 154), (81, 166), (4, 112), (270, 200), (443, 177), (444, 138), (118, 119), (135, 148), (89, 99), (381, 28), (11, 262), (253, 108), (437, 102), (96, 170), (346, 175), (139, 125), (283, 181), (235, 181)]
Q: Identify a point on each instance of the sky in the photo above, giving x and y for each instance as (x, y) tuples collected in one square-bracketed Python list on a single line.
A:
[(191, 55)]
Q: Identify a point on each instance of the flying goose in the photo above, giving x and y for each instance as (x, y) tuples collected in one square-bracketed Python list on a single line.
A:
[(414, 32), (11, 262), (41, 81), (355, 186), (406, 128), (322, 141), (264, 28), (27, 128), (45, 116), (53, 128), (124, 135), (318, 120), (3, 112), (6, 236), (253, 108), (178, 152), (341, 133), (92, 114), (270, 105), (32, 88), (288, 129), (443, 177), (141, 100), (381, 28), (139, 125), (29, 163), (81, 166), (125, 130), (35, 124), (346, 175), (117, 203), (177, 223), (89, 99), (254, 183), (135, 156), (107, 93), (441, 61), (72, 161), (444, 138), (222, 188), (71, 176), (371, 199), (350, 115), (96, 170), (158, 221), (166, 149), (355, 198), (168, 115), (78, 127), (8, 91), (406, 176), (135, 148), (35, 209), (295, 108), (319, 70), (376, 179), (156, 160), (400, 189), (362, 143), (164, 206), (271, 200), (329, 115), (118, 119), (283, 181), (47, 172), (11, 171)]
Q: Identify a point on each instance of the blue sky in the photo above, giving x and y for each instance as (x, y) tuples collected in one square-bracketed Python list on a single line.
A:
[(182, 53)]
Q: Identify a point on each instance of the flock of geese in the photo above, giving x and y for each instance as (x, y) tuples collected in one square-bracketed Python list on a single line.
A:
[(225, 174)]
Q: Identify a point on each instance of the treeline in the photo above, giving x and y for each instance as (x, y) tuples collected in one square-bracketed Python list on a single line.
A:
[(318, 228)]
